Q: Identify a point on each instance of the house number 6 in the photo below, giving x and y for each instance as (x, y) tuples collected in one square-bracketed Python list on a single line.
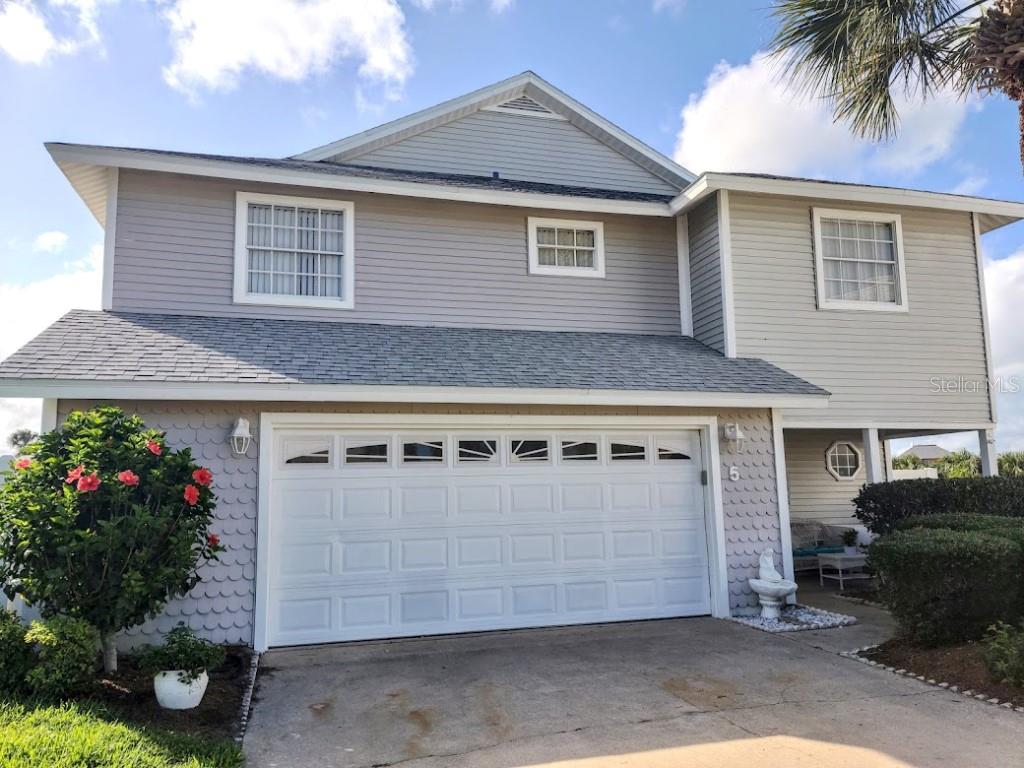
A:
[(734, 473)]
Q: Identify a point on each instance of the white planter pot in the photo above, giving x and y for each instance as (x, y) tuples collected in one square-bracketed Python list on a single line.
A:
[(171, 693)]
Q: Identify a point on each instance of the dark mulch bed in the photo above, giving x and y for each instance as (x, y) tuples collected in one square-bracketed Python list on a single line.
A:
[(129, 692), (961, 665)]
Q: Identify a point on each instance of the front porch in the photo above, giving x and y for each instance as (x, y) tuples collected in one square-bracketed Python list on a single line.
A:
[(826, 467)]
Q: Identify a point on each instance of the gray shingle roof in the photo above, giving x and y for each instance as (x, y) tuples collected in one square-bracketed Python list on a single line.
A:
[(136, 347), (394, 174)]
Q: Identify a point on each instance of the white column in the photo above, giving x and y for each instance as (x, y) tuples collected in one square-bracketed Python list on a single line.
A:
[(872, 456), (782, 488), (48, 421), (987, 446)]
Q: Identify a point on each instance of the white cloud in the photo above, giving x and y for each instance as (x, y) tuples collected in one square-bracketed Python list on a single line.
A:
[(26, 309), (50, 242), (746, 119), (500, 6), (215, 43), (27, 29), (971, 184), (1004, 281)]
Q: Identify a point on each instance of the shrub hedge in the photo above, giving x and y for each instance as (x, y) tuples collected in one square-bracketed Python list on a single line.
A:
[(16, 656), (1004, 652), (882, 505), (66, 654), (943, 585)]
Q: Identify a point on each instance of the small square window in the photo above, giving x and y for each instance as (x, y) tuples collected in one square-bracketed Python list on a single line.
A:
[(564, 247)]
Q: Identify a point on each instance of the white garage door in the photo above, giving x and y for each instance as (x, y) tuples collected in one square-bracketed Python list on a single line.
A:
[(387, 534)]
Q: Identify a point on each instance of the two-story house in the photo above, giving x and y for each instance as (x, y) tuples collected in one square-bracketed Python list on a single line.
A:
[(500, 364)]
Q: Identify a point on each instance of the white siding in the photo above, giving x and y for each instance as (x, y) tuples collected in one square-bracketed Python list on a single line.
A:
[(706, 275), (517, 147), (418, 262), (879, 366)]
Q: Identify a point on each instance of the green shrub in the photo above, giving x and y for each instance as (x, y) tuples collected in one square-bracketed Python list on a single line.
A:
[(881, 505), (1004, 652), (16, 657), (959, 522), (945, 586), (101, 520), (182, 650), (66, 650), (960, 463)]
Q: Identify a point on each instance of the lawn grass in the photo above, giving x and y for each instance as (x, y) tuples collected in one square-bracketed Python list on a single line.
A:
[(84, 735)]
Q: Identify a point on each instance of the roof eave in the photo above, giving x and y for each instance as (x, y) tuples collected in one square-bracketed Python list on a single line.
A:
[(992, 214), (298, 392), (70, 158)]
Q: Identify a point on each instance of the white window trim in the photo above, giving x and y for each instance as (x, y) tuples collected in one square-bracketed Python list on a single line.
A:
[(860, 461), (536, 268), (902, 303), (241, 290)]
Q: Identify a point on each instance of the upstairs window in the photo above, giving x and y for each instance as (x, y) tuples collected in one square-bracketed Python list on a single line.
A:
[(568, 248), (293, 251), (859, 259)]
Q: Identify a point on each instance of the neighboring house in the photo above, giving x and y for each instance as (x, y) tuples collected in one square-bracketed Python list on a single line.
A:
[(929, 453), (505, 365)]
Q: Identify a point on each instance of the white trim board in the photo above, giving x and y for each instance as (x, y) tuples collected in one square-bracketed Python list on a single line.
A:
[(989, 360), (709, 183), (143, 160), (269, 421), (782, 490), (337, 393), (109, 238), (683, 258), (725, 275)]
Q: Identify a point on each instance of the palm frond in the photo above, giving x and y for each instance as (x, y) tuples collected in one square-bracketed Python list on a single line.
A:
[(859, 54)]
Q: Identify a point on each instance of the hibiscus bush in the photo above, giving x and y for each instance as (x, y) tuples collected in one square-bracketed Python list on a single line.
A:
[(101, 521)]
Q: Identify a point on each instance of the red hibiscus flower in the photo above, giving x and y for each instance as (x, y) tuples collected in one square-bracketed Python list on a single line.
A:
[(191, 495), (213, 539), (88, 483), (74, 474), (203, 476), (154, 447), (129, 478), (23, 463)]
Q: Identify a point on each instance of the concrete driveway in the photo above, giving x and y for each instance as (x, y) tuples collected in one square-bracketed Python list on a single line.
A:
[(689, 692)]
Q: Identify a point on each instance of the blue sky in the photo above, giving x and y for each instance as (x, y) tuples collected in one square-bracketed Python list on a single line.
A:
[(182, 74)]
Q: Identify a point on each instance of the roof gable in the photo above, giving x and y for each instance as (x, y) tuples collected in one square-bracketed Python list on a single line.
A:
[(525, 95)]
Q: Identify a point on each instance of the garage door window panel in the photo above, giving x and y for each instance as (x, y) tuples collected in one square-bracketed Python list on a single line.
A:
[(362, 451), (306, 452), (478, 451), (529, 451), (574, 450), (627, 449), (423, 451)]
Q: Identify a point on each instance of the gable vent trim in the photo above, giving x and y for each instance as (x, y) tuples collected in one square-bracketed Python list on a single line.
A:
[(524, 105)]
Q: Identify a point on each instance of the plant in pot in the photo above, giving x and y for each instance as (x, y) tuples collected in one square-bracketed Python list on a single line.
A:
[(180, 667), (849, 538)]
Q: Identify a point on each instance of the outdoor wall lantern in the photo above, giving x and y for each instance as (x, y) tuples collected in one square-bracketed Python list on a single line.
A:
[(240, 437), (733, 437)]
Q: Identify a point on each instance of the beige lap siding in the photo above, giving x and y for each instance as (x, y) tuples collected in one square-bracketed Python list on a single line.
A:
[(221, 606)]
